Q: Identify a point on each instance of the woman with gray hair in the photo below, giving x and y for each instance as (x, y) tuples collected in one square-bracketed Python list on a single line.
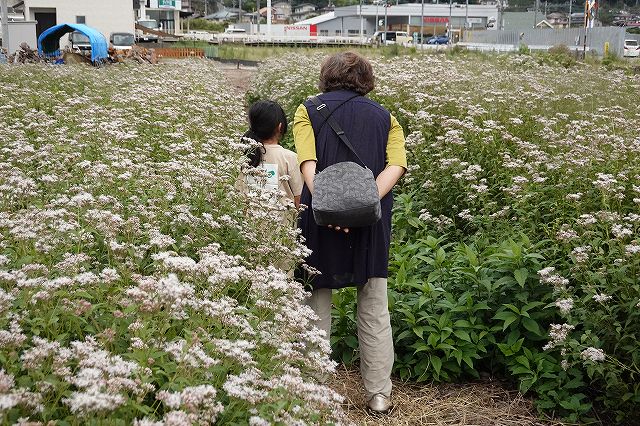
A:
[(352, 256)]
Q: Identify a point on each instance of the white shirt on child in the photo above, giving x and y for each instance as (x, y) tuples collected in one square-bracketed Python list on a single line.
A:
[(282, 172)]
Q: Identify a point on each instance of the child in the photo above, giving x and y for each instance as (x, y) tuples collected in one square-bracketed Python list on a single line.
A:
[(267, 125)]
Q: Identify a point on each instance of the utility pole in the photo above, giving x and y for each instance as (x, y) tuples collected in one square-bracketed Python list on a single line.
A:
[(386, 27), (361, 23), (570, 4), (466, 14), (535, 16), (450, 33), (269, 20), (240, 11), (206, 7), (5, 24), (259, 16), (422, 23)]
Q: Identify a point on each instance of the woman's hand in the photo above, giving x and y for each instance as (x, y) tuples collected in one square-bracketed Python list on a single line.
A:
[(337, 228)]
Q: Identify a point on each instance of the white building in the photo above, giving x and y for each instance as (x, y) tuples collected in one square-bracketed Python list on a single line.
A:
[(106, 16), (433, 19), (282, 11), (165, 12), (303, 11)]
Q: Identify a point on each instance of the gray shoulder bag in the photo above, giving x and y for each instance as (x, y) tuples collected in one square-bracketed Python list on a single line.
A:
[(345, 194)]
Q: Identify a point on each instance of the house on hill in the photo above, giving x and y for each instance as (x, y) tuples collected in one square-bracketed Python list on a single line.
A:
[(303, 11), (282, 11)]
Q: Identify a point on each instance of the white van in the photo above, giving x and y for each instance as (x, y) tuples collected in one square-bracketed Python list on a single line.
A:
[(197, 35), (391, 37), (233, 35), (631, 48)]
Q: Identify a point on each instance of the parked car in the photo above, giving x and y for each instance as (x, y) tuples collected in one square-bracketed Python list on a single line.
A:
[(441, 39), (631, 48), (233, 35), (198, 35), (390, 37), (122, 41), (147, 37), (420, 39), (79, 42)]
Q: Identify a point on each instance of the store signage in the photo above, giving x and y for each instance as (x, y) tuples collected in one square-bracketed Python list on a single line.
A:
[(435, 20), (301, 30), (166, 4)]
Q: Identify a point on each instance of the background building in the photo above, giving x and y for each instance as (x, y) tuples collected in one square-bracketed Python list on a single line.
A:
[(347, 21), (282, 11), (165, 12), (106, 16), (303, 11)]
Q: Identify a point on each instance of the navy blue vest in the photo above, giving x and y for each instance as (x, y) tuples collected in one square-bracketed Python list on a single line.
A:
[(348, 259)]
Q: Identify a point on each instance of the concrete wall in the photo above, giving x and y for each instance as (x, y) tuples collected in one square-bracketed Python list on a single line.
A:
[(107, 16), (546, 38), (21, 31)]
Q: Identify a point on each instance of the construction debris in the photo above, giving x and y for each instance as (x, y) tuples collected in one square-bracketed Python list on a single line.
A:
[(138, 54), (75, 58), (25, 55)]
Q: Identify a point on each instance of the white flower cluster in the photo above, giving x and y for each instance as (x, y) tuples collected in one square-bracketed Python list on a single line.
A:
[(593, 354), (564, 305), (601, 298), (132, 246), (558, 334), (548, 276)]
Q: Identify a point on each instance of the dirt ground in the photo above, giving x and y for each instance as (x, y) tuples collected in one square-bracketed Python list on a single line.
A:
[(239, 77), (486, 403)]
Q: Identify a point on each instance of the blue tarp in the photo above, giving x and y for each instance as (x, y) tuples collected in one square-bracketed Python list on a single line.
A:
[(49, 40)]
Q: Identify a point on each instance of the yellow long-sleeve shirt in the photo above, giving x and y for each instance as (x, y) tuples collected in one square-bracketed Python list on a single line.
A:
[(305, 140)]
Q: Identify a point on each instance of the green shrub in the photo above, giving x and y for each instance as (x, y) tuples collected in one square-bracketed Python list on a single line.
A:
[(517, 164)]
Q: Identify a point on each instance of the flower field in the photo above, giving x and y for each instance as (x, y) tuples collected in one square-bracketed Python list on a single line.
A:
[(516, 248), (136, 285)]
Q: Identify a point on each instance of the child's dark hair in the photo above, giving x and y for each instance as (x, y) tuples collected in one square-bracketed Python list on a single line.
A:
[(264, 118)]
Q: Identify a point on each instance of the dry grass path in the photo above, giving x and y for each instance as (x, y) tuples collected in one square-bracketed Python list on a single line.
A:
[(472, 404), (479, 404)]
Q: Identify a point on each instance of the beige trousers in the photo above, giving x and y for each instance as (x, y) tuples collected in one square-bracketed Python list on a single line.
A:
[(374, 332)]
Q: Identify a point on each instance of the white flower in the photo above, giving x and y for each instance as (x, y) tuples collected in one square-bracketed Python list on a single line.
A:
[(601, 298), (558, 334), (93, 401), (621, 231), (547, 276), (592, 354), (632, 249), (564, 305)]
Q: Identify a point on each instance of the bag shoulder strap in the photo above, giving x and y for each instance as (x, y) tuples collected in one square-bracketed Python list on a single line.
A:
[(322, 109)]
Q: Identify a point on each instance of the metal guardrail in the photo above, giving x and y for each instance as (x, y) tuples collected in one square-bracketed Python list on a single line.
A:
[(275, 40)]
